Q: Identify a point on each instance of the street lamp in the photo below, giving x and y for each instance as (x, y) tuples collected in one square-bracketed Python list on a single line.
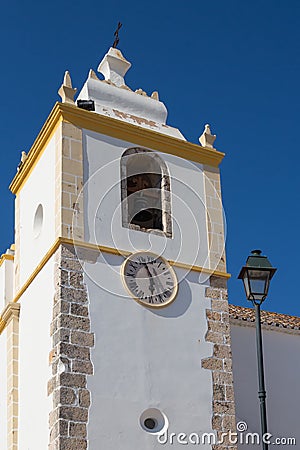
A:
[(256, 276)]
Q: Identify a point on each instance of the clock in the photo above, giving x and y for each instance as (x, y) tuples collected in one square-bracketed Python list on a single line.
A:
[(149, 279)]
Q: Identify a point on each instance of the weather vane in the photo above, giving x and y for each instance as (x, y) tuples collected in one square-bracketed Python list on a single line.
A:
[(116, 34)]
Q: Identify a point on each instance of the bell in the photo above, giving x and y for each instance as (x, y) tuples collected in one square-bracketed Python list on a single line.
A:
[(143, 216), (141, 213)]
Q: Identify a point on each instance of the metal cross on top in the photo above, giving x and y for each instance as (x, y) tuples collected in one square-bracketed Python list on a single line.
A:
[(116, 34)]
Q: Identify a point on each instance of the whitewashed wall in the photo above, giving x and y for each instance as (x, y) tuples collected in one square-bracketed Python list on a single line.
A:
[(102, 195), (146, 358), (6, 295), (2, 287), (282, 375), (38, 189), (34, 369), (3, 391)]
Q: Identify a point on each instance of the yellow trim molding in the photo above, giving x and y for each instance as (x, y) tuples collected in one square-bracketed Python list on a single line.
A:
[(4, 257), (37, 270), (2, 324), (216, 273), (36, 151), (99, 248), (125, 253), (102, 248), (115, 128), (90, 246)]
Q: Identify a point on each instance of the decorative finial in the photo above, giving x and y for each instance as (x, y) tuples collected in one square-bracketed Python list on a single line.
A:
[(155, 95), (207, 139), (66, 91), (93, 75), (116, 34), (114, 66), (141, 92), (22, 161)]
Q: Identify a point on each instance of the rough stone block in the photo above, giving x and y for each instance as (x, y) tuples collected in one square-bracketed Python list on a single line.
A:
[(61, 335), (71, 264), (212, 293), (73, 295), (74, 380), (217, 326), (78, 430), (218, 282), (222, 351), (223, 407), (227, 365), (73, 322), (65, 396), (216, 422), (219, 305), (61, 307), (82, 338), (84, 398), (74, 413), (85, 367), (67, 251), (79, 310), (72, 444), (229, 393), (228, 423), (212, 363), (219, 392), (214, 337), (222, 378), (213, 315), (74, 351), (76, 279), (60, 428)]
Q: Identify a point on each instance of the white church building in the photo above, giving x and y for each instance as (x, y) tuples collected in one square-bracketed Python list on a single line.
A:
[(115, 328)]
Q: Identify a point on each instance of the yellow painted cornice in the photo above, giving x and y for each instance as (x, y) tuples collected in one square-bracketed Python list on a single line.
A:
[(115, 128), (36, 151), (4, 257), (99, 248), (126, 253), (104, 249), (37, 270)]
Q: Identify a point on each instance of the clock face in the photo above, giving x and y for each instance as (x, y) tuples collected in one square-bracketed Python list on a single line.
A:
[(149, 279)]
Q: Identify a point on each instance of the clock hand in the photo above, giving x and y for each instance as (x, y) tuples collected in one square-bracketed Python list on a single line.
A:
[(158, 281), (151, 288), (147, 268)]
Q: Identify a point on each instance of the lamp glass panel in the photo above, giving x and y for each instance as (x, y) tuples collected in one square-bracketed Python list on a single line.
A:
[(246, 284), (258, 282)]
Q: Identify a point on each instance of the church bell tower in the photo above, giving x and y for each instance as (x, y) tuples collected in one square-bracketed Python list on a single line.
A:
[(115, 321)]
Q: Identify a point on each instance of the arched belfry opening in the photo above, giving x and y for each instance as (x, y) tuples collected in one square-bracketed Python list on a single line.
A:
[(145, 192)]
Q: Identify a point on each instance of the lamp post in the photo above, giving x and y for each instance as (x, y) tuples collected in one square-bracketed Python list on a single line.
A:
[(256, 276)]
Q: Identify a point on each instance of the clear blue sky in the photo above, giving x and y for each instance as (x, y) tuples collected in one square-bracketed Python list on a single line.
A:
[(232, 64)]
